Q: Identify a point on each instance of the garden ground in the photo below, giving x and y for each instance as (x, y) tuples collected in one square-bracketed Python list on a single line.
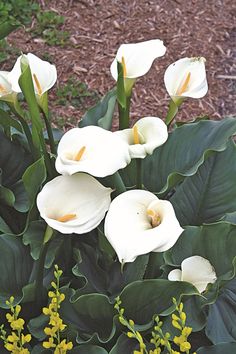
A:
[(97, 28)]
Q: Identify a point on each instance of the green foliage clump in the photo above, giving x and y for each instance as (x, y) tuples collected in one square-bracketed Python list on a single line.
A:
[(74, 92), (17, 12), (48, 26)]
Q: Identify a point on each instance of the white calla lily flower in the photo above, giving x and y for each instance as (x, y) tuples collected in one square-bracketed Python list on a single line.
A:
[(5, 85), (146, 135), (186, 78), (137, 58), (73, 204), (195, 270), (44, 74), (138, 222), (93, 150)]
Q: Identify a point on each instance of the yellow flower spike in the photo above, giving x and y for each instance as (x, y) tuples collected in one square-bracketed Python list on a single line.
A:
[(80, 153), (124, 66), (66, 217), (39, 88), (135, 135), (186, 331), (183, 316), (183, 88)]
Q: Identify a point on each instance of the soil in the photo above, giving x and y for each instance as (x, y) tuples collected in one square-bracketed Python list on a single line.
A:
[(97, 28)]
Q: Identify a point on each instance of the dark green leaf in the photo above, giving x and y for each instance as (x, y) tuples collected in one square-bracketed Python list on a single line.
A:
[(144, 299), (210, 193), (102, 113), (185, 150), (7, 121), (222, 316), (15, 268), (90, 314), (124, 345)]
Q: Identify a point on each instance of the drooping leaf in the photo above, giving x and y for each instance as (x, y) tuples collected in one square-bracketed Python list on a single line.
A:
[(144, 299), (33, 179), (13, 161), (209, 194), (15, 268), (91, 315), (185, 150), (102, 113), (222, 316)]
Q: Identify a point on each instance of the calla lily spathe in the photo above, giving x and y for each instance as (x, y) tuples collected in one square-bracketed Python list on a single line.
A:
[(186, 78), (73, 204), (195, 270), (5, 85), (137, 58), (93, 150), (146, 135), (138, 222), (44, 74)]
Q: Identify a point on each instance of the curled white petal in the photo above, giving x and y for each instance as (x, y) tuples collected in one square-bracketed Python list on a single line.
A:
[(129, 229), (195, 270), (104, 153), (138, 57), (152, 132), (186, 78), (44, 74), (80, 196)]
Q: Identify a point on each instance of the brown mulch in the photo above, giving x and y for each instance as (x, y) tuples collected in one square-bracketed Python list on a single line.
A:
[(188, 28)]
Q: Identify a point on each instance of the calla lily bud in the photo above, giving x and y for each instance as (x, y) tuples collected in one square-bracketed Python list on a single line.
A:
[(136, 60), (146, 135), (73, 204), (92, 150), (138, 222), (186, 78), (195, 270), (44, 74)]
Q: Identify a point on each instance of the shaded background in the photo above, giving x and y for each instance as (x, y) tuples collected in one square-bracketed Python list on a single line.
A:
[(97, 28)]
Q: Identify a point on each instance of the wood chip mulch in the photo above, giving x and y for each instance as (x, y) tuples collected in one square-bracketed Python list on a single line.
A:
[(188, 28)]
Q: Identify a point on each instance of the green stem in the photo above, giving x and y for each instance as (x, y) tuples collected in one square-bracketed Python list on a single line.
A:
[(139, 173), (40, 274), (50, 134), (40, 265), (172, 111), (124, 114), (118, 183)]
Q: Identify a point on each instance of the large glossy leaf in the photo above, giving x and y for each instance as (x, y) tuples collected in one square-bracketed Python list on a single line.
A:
[(91, 315), (223, 348), (221, 318), (33, 179), (102, 113), (15, 268), (144, 299), (185, 150), (211, 192), (13, 161)]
